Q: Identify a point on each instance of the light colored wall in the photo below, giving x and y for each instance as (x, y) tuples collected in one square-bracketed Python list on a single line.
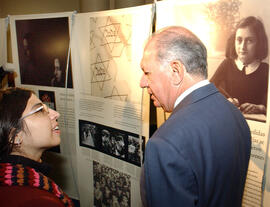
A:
[(94, 5), (16, 7), (128, 3), (101, 5), (149, 1)]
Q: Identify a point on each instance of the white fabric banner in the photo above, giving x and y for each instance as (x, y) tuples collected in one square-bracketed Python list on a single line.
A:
[(213, 22), (111, 116), (40, 47)]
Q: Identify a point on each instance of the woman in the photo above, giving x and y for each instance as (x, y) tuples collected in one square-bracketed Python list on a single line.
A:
[(27, 129), (58, 76), (242, 77)]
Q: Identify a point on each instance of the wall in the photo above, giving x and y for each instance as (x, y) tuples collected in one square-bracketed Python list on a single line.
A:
[(94, 5), (16, 7), (1, 9), (128, 3)]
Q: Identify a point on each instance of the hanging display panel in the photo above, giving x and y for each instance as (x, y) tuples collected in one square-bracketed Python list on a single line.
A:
[(111, 109), (40, 48), (215, 23)]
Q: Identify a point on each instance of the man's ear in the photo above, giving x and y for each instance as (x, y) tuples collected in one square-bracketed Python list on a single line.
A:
[(177, 72)]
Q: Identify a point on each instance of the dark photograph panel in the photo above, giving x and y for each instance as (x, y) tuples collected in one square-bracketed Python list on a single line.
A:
[(111, 187), (48, 98), (43, 49), (117, 143)]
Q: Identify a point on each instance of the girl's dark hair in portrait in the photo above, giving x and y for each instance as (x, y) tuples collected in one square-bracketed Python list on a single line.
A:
[(12, 104), (255, 26)]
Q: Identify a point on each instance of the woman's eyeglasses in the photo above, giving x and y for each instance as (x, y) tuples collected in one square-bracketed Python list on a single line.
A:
[(43, 108)]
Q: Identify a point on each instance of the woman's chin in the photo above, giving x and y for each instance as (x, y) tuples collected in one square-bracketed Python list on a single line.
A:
[(56, 141)]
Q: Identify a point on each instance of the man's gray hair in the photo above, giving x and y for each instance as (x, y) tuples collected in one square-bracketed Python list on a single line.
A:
[(178, 43)]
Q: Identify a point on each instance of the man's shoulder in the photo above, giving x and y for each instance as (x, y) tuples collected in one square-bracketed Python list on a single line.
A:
[(174, 130), (201, 113)]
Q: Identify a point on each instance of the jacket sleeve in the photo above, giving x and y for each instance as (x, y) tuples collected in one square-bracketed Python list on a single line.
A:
[(169, 179)]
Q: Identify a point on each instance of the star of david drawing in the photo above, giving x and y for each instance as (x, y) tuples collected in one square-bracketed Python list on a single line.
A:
[(116, 96), (100, 72), (110, 34)]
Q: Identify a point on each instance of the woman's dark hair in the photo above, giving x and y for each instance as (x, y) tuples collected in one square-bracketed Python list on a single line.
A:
[(12, 104), (257, 27)]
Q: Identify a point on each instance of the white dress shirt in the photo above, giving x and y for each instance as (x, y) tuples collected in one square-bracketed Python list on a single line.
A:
[(189, 90)]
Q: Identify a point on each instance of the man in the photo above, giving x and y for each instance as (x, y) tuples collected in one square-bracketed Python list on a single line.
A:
[(200, 155)]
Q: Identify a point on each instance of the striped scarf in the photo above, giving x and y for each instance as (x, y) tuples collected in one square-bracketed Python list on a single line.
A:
[(19, 175)]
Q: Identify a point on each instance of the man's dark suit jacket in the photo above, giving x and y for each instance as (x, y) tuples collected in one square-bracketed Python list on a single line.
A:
[(200, 155)]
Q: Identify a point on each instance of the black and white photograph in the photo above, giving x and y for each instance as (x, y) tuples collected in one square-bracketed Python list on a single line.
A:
[(111, 187), (134, 152), (43, 50), (117, 143), (88, 133), (242, 77)]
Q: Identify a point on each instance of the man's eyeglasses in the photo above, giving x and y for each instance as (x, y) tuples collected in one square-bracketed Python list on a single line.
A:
[(43, 108)]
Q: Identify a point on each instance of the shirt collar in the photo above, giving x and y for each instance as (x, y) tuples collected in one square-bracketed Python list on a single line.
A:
[(250, 68), (189, 90)]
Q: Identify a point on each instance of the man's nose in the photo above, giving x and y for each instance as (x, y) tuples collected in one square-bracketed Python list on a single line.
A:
[(143, 82)]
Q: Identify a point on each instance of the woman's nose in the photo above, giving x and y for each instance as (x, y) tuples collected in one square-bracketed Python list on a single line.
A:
[(244, 45), (53, 114)]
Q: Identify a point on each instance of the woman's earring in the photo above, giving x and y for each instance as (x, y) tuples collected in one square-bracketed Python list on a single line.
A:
[(18, 142)]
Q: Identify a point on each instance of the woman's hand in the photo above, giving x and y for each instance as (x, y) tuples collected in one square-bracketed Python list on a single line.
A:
[(249, 108)]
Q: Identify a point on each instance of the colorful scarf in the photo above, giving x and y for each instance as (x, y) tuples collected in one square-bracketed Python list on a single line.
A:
[(19, 175)]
